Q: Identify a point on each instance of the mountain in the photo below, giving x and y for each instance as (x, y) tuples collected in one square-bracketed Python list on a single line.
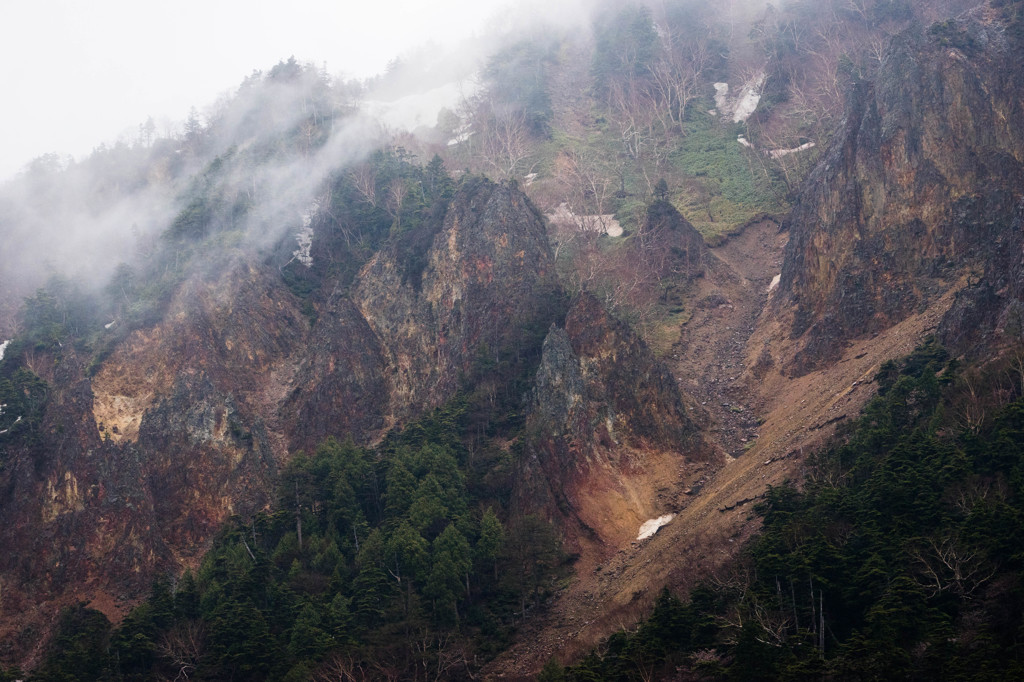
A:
[(145, 453), (339, 413)]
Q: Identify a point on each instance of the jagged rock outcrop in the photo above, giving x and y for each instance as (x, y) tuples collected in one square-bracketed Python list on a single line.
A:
[(69, 498), (131, 471), (918, 187), (203, 460), (990, 310), (488, 276), (341, 387), (677, 249), (607, 430), (140, 459)]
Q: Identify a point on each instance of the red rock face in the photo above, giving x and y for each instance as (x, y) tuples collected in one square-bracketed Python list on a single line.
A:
[(607, 432), (132, 470), (919, 186)]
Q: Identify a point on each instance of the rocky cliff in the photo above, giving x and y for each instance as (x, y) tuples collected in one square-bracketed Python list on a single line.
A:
[(138, 460), (989, 312), (132, 470), (607, 432), (488, 276), (918, 187), (679, 252)]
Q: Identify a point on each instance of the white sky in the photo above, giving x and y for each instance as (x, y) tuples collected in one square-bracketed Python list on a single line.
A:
[(77, 73)]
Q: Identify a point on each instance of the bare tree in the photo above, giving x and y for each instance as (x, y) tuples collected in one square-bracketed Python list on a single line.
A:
[(341, 668), (183, 646), (440, 654), (364, 179), (970, 407), (505, 140), (948, 564), (678, 72), (309, 131), (632, 108), (397, 192), (587, 184)]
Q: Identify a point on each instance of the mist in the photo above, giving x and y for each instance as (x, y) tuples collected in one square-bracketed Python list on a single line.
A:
[(80, 218), (262, 150)]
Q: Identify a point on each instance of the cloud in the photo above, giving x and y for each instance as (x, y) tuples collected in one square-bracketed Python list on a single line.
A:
[(105, 67)]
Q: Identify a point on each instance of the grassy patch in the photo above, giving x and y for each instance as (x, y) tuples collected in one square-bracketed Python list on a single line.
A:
[(721, 189), (713, 180)]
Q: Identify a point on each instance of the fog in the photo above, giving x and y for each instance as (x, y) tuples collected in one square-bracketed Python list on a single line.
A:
[(128, 111), (122, 107), (79, 74), (85, 73)]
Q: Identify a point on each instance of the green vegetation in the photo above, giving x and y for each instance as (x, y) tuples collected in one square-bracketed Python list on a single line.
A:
[(384, 560), (626, 48), (406, 555), (721, 187), (899, 559), (210, 205), (22, 398), (388, 201), (949, 33)]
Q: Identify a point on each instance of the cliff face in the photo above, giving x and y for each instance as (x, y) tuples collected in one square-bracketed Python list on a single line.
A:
[(138, 461), (133, 469), (918, 186), (340, 387), (488, 275), (607, 431), (989, 312)]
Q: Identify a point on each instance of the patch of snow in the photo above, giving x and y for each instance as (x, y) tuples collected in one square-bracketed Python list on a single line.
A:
[(722, 96), (12, 426), (775, 282), (612, 228), (529, 178), (776, 153), (3, 347), (749, 98), (461, 135), (649, 528), (564, 217), (304, 238)]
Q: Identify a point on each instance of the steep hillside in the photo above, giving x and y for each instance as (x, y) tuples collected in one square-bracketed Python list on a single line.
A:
[(607, 434), (916, 190), (142, 454), (775, 395), (487, 285), (406, 426)]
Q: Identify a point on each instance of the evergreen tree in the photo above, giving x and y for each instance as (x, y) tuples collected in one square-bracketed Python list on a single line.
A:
[(79, 651), (492, 538), (451, 561)]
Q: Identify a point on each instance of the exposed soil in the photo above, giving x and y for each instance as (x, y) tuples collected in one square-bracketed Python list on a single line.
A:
[(727, 359), (709, 359)]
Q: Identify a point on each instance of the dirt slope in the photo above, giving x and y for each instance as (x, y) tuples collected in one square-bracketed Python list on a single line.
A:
[(767, 423)]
